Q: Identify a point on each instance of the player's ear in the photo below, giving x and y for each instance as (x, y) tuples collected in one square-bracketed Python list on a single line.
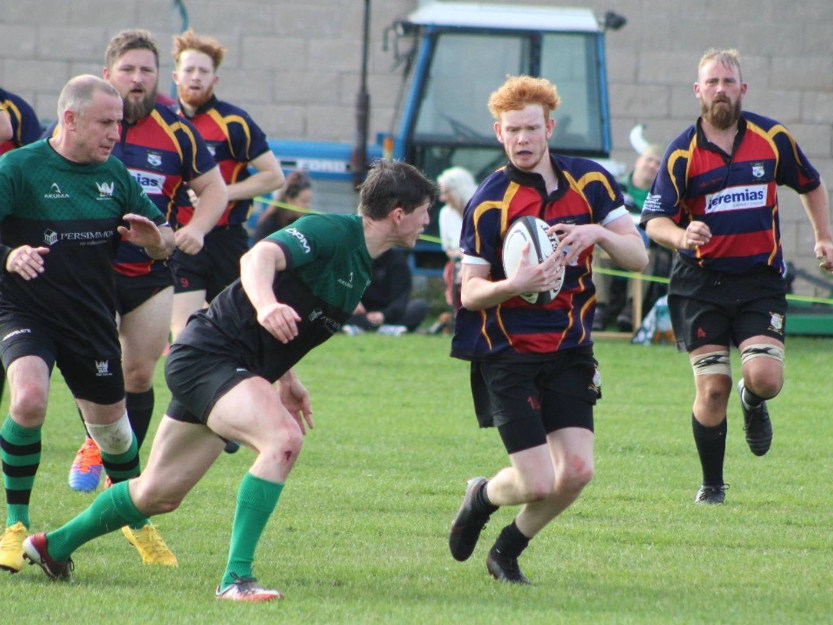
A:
[(498, 132)]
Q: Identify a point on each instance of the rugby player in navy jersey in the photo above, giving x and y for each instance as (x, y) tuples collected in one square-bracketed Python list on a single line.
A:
[(237, 143), (64, 205), (533, 375), (297, 287), (715, 203), (25, 126)]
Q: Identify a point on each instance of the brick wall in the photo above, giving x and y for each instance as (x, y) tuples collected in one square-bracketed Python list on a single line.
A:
[(294, 64)]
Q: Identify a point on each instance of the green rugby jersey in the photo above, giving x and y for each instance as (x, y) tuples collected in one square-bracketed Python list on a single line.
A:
[(73, 209), (328, 269)]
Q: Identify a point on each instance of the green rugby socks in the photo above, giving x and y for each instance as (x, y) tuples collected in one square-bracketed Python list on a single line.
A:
[(111, 510), (20, 450), (256, 499)]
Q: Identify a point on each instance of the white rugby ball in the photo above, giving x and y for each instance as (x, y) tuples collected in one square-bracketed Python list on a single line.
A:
[(533, 231)]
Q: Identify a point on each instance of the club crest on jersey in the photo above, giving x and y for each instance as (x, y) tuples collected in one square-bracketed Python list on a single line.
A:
[(50, 237), (105, 190), (154, 159), (758, 170), (776, 323), (737, 198)]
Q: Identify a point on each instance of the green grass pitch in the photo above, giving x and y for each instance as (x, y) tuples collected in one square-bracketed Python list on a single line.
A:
[(360, 533)]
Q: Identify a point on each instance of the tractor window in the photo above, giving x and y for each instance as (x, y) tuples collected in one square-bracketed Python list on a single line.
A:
[(571, 62), (464, 72)]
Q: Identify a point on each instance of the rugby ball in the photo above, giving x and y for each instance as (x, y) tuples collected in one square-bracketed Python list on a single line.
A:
[(533, 231)]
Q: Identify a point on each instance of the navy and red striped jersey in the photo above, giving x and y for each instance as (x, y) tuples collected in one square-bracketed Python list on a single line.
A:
[(515, 329), (234, 140), (735, 195), (162, 151), (25, 125)]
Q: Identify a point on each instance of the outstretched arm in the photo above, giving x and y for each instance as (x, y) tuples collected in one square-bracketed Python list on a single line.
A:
[(157, 241)]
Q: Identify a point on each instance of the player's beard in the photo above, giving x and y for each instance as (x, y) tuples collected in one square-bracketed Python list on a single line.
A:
[(134, 110), (721, 117), (186, 96)]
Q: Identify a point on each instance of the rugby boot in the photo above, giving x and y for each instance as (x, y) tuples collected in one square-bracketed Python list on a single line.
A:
[(148, 542), (711, 494), (35, 550), (85, 472), (756, 425), (246, 588), (504, 569), (467, 525), (11, 548)]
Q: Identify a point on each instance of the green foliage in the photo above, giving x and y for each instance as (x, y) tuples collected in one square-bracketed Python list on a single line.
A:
[(360, 533)]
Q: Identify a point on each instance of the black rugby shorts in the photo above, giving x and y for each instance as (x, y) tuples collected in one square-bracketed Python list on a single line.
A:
[(528, 400)]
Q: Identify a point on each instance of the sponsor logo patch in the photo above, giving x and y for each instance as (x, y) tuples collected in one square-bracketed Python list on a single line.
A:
[(301, 238), (652, 203), (50, 237), (16, 332), (736, 198), (55, 193), (151, 183)]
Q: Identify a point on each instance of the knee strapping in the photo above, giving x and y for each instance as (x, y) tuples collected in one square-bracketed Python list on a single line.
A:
[(711, 363), (114, 438), (761, 350)]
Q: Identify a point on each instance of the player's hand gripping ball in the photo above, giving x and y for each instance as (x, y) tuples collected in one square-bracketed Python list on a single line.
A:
[(533, 231)]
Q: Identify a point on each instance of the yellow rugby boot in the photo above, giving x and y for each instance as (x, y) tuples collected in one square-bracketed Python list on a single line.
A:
[(148, 542), (11, 548)]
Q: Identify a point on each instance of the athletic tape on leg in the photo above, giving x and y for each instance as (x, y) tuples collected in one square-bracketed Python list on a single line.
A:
[(711, 363), (761, 350), (114, 438)]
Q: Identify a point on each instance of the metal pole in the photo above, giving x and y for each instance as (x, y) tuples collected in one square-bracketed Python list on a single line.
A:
[(358, 160)]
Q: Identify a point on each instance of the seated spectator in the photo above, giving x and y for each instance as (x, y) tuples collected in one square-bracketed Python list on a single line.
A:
[(457, 186), (614, 294), (386, 306), (297, 192)]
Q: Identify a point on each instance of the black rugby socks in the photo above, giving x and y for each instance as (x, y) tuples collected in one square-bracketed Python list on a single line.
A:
[(140, 411), (711, 446)]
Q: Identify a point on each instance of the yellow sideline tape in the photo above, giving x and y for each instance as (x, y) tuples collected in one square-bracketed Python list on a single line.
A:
[(611, 272)]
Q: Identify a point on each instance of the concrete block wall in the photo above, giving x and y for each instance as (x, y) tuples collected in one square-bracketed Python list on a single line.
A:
[(294, 64)]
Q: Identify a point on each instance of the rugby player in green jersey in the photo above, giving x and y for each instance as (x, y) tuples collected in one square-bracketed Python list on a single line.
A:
[(297, 287), (64, 205)]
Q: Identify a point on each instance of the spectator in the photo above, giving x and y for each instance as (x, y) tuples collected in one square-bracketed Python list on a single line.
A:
[(457, 185), (385, 306), (298, 192), (615, 293)]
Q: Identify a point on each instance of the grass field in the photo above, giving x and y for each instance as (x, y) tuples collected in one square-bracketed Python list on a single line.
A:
[(360, 533)]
